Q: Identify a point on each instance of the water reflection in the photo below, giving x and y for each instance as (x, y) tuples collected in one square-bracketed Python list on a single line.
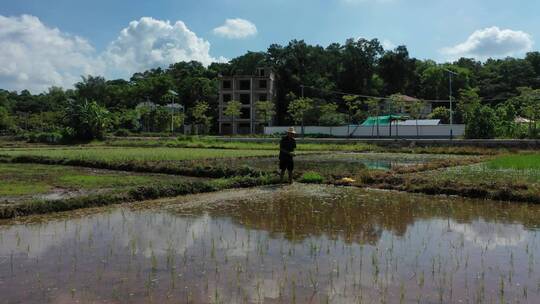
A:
[(336, 163), (301, 244)]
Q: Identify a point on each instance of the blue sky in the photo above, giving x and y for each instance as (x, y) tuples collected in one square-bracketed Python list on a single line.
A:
[(437, 29)]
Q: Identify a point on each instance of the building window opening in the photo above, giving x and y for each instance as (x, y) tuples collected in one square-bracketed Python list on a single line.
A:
[(245, 85)]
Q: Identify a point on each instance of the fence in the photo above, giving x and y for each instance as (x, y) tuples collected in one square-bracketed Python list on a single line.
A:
[(435, 131)]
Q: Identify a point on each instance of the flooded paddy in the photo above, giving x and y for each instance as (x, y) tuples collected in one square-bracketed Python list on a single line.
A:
[(340, 163), (298, 244)]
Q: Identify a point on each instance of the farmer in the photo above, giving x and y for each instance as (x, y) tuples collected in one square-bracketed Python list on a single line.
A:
[(286, 154)]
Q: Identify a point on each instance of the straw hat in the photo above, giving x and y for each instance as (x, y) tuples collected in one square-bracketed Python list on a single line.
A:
[(291, 130)]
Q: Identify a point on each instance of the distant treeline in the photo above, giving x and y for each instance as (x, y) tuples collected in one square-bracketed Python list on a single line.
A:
[(356, 67)]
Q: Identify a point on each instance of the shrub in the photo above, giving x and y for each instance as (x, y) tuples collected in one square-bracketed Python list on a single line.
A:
[(311, 178), (480, 123), (121, 133), (87, 119), (45, 137)]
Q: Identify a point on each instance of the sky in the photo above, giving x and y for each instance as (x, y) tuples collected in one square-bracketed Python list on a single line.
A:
[(54, 42)]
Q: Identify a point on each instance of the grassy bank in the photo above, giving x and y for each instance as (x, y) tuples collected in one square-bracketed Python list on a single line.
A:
[(198, 169), (23, 181), (516, 162), (135, 154), (494, 179), (213, 143), (131, 195)]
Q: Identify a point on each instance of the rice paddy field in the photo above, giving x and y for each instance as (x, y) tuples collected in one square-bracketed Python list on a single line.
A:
[(339, 163), (520, 170), (135, 154), (20, 182), (294, 244), (522, 162), (319, 240)]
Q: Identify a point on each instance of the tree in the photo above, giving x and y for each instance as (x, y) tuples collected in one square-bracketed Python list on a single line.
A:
[(397, 70), (233, 110), (373, 111), (467, 101), (441, 113), (330, 116), (415, 108), (534, 59), (528, 103), (200, 116), (480, 122), (396, 105), (506, 115), (92, 88), (87, 119), (353, 108), (298, 108), (265, 110), (479, 119), (6, 122)]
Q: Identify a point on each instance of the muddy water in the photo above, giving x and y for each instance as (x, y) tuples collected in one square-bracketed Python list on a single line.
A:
[(336, 163), (302, 244)]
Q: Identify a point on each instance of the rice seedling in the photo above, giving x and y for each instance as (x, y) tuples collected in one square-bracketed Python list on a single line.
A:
[(301, 243)]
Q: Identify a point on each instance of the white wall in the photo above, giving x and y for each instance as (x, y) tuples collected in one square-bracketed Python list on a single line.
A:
[(361, 131)]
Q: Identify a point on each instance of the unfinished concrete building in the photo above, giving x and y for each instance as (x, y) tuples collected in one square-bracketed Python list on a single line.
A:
[(247, 89)]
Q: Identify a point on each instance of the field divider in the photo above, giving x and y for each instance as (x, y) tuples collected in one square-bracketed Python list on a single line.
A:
[(134, 194), (182, 168)]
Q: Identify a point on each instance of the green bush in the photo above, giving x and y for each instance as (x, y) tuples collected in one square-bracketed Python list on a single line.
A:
[(480, 123), (121, 133), (45, 137), (311, 178)]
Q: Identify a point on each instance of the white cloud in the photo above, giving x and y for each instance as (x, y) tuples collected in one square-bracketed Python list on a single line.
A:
[(35, 57), (236, 29), (387, 44), (149, 43), (492, 42)]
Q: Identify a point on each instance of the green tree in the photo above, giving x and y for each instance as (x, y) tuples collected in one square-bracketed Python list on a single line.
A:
[(298, 109), (354, 109), (330, 116), (506, 115), (200, 116), (233, 110), (480, 122), (92, 88), (415, 109), (441, 113), (87, 119), (374, 107), (397, 70), (265, 110), (529, 107), (468, 99), (6, 122)]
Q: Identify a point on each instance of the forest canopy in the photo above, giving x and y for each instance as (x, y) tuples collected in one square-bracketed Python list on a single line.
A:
[(358, 66)]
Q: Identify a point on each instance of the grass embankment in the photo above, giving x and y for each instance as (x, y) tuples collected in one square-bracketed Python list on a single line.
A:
[(131, 195), (23, 181), (508, 178), (337, 165), (135, 154), (516, 162), (212, 143), (147, 160)]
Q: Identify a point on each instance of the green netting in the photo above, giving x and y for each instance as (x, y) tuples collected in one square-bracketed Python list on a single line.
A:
[(382, 120)]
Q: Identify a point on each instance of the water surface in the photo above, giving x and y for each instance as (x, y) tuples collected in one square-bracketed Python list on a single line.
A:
[(300, 244)]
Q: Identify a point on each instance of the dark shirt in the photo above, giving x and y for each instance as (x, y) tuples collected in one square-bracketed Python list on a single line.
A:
[(286, 147)]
